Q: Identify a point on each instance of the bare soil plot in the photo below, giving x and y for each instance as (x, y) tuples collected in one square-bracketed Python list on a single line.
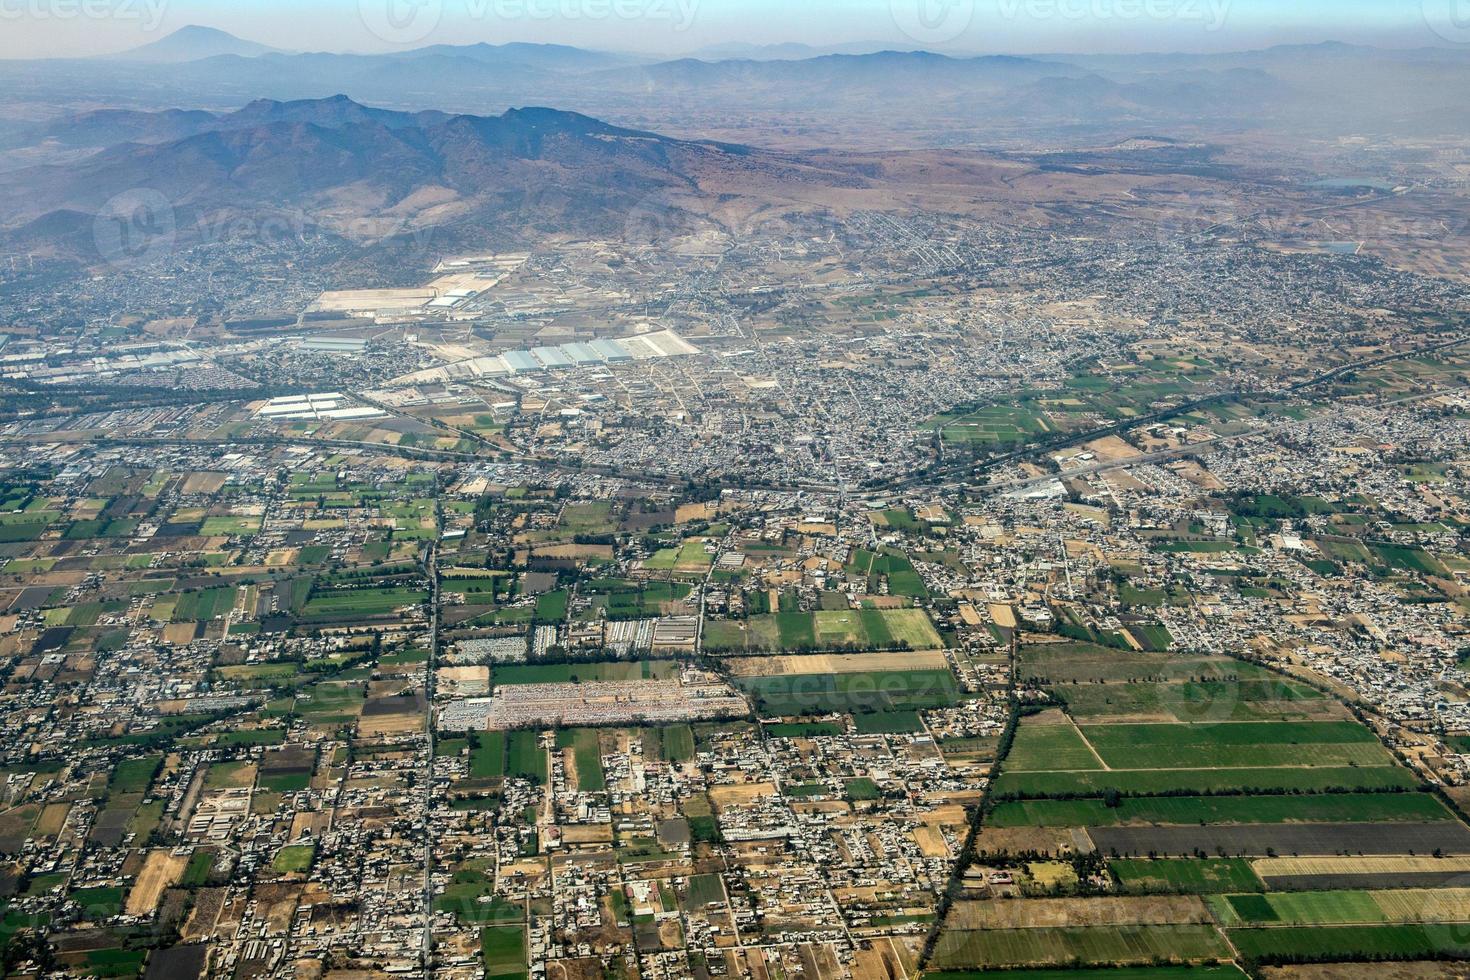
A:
[(723, 796), (1077, 912), (161, 871), (832, 663)]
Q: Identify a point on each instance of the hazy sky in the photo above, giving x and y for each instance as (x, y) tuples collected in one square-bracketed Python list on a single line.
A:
[(40, 28)]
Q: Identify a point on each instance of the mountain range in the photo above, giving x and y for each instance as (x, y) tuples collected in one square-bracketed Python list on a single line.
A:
[(365, 174), (1322, 91), (194, 43)]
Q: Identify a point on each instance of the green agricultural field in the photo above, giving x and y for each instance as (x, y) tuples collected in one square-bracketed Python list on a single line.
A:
[(134, 775), (585, 673), (331, 703), (1410, 560), (196, 873), (1196, 701), (1341, 743), (888, 566), (462, 897), (724, 636), (1347, 944), (588, 518), (503, 949), (1343, 907), (98, 903), (1089, 663), (1298, 908), (226, 774), (690, 556), (552, 607), (706, 890), (1332, 808), (229, 526), (294, 859), (1185, 876), (586, 747), (621, 600), (29, 566), (1106, 973), (205, 604), (345, 603), (487, 757), (1131, 595), (1151, 636), (816, 694), (1040, 785), (911, 627), (526, 758), (113, 962), (1345, 550), (846, 628), (284, 782), (1042, 746), (888, 723), (678, 743), (805, 729), (797, 630)]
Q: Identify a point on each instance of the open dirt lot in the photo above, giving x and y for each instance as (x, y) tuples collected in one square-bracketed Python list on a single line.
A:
[(1077, 912), (161, 870)]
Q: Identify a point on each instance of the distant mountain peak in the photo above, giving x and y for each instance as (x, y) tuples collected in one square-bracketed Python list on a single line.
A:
[(194, 43)]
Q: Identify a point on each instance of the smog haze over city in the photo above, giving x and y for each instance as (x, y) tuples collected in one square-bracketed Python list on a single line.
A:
[(735, 489)]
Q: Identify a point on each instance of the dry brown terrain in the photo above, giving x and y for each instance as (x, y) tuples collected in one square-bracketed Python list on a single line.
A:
[(161, 870)]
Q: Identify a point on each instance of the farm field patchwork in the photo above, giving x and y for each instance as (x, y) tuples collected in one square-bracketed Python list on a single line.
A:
[(1186, 777), (826, 630)]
